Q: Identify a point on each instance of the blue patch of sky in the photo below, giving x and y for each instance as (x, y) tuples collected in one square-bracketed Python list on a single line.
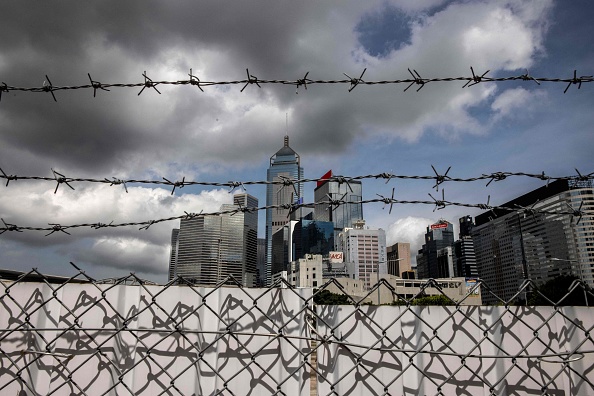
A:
[(384, 30)]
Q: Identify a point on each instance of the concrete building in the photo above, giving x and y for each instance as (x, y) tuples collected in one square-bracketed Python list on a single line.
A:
[(398, 256), (306, 271), (285, 164), (365, 249), (511, 246), (457, 289), (343, 216), (211, 248)]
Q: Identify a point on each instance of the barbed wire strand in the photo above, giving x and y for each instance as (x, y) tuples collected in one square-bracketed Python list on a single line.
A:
[(352, 82), (285, 181), (291, 208)]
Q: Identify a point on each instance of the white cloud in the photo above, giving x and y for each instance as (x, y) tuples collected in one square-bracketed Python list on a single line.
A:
[(516, 99), (33, 204), (408, 229)]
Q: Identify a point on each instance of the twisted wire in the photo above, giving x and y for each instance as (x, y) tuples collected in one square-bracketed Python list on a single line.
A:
[(352, 82)]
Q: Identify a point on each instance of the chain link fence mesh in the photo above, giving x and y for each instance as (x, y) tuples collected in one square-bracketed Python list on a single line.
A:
[(78, 336)]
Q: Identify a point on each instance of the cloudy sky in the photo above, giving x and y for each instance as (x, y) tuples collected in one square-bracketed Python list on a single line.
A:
[(223, 134)]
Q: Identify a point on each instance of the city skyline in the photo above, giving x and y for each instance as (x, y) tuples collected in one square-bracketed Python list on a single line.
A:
[(227, 132)]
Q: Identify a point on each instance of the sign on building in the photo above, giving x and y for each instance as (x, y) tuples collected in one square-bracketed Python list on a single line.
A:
[(336, 257)]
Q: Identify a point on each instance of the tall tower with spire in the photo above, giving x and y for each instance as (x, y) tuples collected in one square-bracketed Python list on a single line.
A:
[(285, 164)]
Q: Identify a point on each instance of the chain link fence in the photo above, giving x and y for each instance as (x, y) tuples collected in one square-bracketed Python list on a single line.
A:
[(79, 336)]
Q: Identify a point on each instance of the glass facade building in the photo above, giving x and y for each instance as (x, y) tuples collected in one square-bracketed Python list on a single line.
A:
[(211, 248), (511, 246), (343, 216), (285, 164), (438, 236)]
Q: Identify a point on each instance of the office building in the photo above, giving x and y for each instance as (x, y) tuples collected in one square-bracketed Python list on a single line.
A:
[(365, 250), (398, 256), (306, 271), (511, 246), (345, 215), (296, 239), (173, 254), (285, 164), (464, 250), (438, 236), (212, 248)]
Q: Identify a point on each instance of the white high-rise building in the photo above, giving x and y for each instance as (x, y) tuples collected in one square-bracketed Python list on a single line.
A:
[(365, 250)]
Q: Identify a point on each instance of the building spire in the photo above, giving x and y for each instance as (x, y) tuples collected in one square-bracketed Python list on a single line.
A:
[(286, 140)]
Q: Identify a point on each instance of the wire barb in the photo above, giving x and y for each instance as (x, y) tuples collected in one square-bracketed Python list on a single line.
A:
[(233, 185), (417, 80), (96, 85), (475, 78), (388, 201), (58, 228), (148, 83), (3, 88), (528, 77), (101, 225), (577, 80), (116, 181), (195, 81), (60, 180), (9, 227), (250, 80), (179, 184), (7, 177), (355, 81), (48, 87), (497, 176), (577, 212), (440, 178), (440, 204), (302, 81)]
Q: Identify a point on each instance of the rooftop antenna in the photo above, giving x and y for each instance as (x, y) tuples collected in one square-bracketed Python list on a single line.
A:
[(287, 129)]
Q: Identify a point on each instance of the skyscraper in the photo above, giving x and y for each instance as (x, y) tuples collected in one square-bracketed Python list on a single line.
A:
[(211, 248), (511, 246), (464, 249), (343, 216), (284, 165), (431, 263)]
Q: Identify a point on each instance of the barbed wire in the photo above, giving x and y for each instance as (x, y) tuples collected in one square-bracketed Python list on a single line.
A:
[(353, 82), (439, 179), (438, 204)]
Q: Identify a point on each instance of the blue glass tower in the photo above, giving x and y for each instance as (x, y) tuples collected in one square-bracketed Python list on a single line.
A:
[(285, 164)]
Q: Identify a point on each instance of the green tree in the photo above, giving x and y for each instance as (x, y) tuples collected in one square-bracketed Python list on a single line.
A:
[(326, 297)]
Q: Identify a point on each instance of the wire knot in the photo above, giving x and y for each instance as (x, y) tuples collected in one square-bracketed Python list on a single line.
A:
[(417, 79), (195, 81), (58, 228), (48, 87), (497, 176), (250, 80), (355, 81), (60, 180), (9, 227), (440, 178), (148, 83), (475, 78), (302, 81), (176, 184)]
